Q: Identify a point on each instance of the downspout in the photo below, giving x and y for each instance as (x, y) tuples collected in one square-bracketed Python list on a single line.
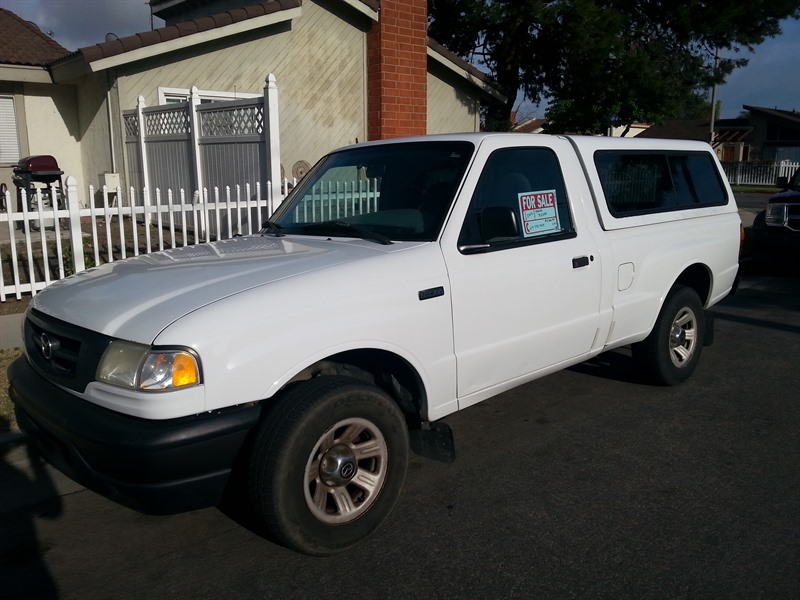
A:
[(111, 125)]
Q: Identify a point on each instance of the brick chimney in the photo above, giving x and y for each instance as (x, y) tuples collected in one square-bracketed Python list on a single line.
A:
[(397, 72)]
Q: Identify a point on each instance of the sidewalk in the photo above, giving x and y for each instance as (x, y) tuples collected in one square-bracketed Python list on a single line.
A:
[(11, 330)]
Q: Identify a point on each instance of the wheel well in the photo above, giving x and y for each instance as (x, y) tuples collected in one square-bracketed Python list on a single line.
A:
[(697, 277), (388, 371)]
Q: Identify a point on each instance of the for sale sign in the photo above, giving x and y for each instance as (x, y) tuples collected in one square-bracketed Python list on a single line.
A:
[(539, 212)]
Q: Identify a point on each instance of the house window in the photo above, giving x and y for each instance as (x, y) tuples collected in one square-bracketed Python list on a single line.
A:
[(174, 95), (9, 140)]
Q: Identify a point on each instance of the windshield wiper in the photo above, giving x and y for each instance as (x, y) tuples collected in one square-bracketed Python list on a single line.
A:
[(271, 227), (347, 230)]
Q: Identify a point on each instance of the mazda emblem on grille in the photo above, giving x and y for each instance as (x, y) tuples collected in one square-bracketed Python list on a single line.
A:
[(47, 346)]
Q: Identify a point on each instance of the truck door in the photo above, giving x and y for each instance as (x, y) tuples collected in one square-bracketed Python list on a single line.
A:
[(524, 271)]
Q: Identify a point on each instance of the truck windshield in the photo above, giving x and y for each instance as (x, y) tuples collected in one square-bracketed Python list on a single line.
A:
[(400, 192)]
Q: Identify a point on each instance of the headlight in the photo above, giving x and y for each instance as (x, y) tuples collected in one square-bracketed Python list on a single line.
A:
[(776, 214), (140, 367)]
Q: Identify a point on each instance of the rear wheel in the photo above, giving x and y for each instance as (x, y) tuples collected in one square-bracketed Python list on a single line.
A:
[(328, 464), (669, 355)]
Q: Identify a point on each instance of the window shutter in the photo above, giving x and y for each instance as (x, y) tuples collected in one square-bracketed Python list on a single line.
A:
[(9, 141)]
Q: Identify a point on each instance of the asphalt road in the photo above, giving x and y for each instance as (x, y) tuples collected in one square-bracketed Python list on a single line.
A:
[(752, 200), (588, 483)]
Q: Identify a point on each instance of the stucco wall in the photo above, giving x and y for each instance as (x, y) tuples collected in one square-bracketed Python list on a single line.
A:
[(321, 77), (94, 120), (450, 108), (51, 113)]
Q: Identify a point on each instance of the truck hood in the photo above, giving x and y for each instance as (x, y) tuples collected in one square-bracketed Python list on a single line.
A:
[(789, 195), (135, 299)]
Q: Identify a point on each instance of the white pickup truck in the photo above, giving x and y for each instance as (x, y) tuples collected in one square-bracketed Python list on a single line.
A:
[(399, 282)]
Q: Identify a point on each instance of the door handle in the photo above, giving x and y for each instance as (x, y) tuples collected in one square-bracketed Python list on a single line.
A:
[(581, 261)]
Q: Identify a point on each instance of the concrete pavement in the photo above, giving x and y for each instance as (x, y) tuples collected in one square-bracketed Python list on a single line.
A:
[(25, 479), (11, 330)]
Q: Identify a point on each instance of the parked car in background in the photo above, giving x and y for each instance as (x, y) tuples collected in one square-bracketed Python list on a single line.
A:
[(776, 230)]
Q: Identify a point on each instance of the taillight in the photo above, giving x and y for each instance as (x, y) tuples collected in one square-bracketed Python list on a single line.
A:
[(741, 239)]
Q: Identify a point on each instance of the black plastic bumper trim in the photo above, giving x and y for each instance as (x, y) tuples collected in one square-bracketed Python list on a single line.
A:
[(156, 467)]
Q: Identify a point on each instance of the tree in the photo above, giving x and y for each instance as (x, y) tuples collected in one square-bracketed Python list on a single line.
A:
[(604, 63)]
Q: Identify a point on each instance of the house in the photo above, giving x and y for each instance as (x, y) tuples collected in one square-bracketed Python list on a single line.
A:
[(538, 126), (36, 116), (530, 126), (346, 70), (766, 134), (776, 134)]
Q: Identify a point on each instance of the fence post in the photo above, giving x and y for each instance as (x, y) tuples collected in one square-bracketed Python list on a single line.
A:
[(272, 139), (75, 233), (140, 105), (194, 102)]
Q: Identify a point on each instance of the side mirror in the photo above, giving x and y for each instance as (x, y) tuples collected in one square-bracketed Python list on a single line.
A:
[(499, 222)]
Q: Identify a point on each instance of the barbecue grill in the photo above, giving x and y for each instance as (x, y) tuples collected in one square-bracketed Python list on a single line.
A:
[(29, 172), (41, 169)]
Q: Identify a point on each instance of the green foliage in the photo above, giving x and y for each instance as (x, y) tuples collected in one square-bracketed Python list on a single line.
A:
[(605, 63)]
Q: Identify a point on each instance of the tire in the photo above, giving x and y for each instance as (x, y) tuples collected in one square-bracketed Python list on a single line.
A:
[(670, 354), (327, 464)]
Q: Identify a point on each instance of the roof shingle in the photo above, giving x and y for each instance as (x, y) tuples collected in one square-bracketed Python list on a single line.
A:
[(22, 43), (170, 32)]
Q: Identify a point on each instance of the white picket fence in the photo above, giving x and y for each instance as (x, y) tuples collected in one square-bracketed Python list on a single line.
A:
[(46, 243), (742, 173)]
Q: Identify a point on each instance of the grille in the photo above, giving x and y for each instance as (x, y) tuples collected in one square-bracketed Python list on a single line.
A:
[(63, 353)]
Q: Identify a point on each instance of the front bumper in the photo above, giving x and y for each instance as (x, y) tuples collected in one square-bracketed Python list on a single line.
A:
[(775, 243), (156, 467)]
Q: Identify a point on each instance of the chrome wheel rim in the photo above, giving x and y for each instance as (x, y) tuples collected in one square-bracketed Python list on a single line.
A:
[(683, 337), (345, 471)]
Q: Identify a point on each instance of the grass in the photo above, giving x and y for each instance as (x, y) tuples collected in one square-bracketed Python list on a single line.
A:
[(7, 420), (760, 189)]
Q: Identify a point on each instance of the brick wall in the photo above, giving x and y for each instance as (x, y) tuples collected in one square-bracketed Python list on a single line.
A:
[(397, 71)]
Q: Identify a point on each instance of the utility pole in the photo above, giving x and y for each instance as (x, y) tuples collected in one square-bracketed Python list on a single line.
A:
[(714, 95)]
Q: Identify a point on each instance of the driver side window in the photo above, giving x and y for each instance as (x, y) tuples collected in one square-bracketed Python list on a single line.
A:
[(520, 199)]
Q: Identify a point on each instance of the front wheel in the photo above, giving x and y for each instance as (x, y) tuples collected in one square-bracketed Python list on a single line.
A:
[(328, 464), (669, 355)]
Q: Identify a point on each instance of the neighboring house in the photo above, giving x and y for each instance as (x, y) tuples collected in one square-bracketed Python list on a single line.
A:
[(530, 126), (634, 130), (346, 72), (764, 135), (776, 133), (538, 125), (36, 116)]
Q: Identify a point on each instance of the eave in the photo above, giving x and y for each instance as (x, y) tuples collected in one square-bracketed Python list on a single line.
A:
[(76, 65), (24, 74)]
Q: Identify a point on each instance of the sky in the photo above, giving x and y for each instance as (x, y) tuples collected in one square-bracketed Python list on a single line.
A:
[(772, 79)]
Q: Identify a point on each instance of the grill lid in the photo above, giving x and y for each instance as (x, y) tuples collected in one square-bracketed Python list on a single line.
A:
[(43, 164)]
